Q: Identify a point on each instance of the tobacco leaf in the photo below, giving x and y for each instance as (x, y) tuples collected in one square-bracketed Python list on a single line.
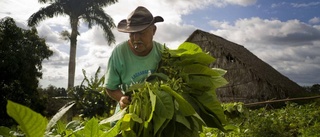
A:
[(179, 99)]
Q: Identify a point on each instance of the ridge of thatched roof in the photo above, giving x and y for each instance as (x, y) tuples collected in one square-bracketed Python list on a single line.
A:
[(260, 68)]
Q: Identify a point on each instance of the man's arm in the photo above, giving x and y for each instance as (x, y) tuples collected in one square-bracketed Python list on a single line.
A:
[(120, 97)]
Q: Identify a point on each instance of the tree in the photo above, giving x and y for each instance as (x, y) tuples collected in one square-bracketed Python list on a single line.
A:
[(89, 10), (21, 54), (315, 88)]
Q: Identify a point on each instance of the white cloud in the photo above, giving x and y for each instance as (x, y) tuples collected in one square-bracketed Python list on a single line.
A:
[(49, 34), (173, 35), (272, 32), (18, 10), (291, 47), (219, 24), (55, 70), (242, 2), (94, 36), (276, 5), (314, 20), (300, 5)]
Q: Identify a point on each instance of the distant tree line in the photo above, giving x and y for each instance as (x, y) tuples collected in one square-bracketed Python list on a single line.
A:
[(313, 89)]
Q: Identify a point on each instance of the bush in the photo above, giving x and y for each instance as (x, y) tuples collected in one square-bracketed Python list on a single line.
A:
[(290, 121), (91, 99)]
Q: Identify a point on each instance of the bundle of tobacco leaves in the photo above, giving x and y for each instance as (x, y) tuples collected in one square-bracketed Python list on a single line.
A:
[(176, 101)]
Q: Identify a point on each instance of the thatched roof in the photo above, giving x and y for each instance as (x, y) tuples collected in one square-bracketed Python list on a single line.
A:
[(261, 69)]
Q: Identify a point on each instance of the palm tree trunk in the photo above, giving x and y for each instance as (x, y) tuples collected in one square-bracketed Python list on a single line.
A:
[(73, 51)]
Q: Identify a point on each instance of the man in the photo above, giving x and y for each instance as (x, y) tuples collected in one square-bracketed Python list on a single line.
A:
[(131, 61)]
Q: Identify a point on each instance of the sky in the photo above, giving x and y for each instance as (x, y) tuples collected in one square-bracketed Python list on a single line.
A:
[(283, 33)]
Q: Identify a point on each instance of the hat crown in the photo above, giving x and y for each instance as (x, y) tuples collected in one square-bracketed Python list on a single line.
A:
[(140, 16), (138, 20)]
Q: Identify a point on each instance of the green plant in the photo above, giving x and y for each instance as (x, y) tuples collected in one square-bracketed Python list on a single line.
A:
[(291, 121), (21, 53), (90, 97), (178, 100), (33, 124)]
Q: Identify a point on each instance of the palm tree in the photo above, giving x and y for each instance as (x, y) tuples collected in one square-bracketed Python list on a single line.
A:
[(89, 11)]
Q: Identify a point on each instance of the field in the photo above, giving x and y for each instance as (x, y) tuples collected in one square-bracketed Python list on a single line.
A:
[(293, 120)]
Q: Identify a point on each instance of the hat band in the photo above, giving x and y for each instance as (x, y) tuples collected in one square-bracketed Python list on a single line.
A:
[(138, 24)]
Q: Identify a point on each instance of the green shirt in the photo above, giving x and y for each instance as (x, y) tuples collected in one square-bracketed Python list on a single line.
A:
[(125, 68)]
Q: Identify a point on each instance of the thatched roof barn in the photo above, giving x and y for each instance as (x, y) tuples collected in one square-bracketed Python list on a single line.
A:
[(250, 79)]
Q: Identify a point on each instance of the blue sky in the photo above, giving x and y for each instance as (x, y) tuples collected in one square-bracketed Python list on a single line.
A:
[(283, 33), (303, 10)]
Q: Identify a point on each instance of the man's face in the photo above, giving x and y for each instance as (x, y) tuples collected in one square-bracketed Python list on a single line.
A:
[(141, 42)]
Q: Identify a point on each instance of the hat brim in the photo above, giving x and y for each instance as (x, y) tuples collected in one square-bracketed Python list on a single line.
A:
[(123, 27)]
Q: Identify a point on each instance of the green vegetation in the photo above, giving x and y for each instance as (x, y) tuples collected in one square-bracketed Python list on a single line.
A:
[(313, 89), (178, 100), (21, 54), (293, 120), (90, 97)]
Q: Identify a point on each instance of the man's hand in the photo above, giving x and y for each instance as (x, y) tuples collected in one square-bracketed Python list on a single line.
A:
[(124, 102), (117, 95)]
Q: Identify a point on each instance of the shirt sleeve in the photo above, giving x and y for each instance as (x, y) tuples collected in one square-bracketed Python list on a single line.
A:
[(112, 76)]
